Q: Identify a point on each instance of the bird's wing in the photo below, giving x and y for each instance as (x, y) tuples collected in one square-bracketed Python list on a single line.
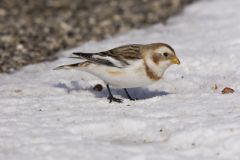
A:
[(118, 57), (94, 58)]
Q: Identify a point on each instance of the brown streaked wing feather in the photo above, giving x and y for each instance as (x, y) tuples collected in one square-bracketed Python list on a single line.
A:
[(124, 53)]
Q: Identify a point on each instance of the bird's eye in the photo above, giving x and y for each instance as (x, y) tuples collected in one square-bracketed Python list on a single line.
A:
[(165, 54)]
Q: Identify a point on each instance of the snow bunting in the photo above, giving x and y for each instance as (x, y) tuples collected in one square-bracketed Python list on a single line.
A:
[(128, 66)]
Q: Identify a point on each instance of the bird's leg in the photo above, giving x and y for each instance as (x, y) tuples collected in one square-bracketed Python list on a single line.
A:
[(128, 95), (111, 98)]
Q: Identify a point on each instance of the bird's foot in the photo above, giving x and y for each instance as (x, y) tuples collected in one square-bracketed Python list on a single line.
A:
[(113, 99), (132, 99)]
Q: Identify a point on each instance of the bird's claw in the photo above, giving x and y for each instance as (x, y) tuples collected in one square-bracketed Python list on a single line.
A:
[(133, 99), (113, 99)]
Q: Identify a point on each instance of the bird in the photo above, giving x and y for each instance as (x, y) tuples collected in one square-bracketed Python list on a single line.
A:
[(127, 66)]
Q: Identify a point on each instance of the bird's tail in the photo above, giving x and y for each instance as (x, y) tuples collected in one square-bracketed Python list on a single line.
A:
[(74, 66)]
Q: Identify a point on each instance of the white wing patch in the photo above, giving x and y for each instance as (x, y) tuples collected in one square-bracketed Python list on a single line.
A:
[(114, 61)]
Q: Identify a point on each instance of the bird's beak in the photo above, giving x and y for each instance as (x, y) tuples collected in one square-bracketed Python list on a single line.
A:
[(175, 60)]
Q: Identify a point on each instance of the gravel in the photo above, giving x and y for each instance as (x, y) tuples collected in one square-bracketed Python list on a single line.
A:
[(34, 31)]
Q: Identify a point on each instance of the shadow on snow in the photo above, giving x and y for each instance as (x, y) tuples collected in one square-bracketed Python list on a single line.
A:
[(139, 93)]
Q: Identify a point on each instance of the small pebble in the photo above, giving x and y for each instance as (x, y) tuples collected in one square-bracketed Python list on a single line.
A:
[(98, 88), (227, 90)]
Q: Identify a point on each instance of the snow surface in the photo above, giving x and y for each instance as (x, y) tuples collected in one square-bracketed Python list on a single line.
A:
[(48, 114)]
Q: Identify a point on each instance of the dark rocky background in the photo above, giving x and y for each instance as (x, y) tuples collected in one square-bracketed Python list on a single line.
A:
[(32, 31)]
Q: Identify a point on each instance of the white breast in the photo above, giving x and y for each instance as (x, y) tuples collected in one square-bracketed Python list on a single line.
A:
[(132, 76)]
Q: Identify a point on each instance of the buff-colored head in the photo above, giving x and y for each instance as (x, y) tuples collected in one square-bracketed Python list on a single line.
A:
[(157, 58), (160, 52)]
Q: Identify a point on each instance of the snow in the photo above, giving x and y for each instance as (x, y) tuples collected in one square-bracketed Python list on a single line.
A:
[(47, 114)]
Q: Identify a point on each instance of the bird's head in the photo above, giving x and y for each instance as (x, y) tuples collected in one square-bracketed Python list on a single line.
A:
[(163, 52), (159, 56)]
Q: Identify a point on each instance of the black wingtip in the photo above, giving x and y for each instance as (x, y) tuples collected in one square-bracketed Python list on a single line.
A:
[(77, 53), (81, 54)]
